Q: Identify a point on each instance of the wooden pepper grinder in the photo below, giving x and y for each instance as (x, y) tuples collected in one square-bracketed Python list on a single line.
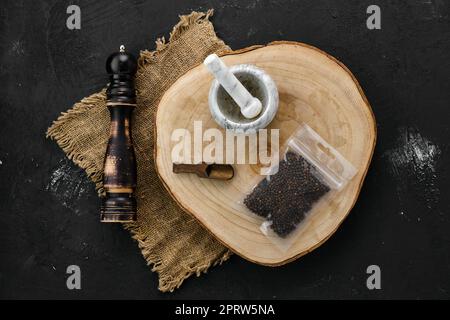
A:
[(119, 174)]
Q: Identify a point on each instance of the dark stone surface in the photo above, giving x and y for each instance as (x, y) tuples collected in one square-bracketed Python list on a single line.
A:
[(49, 210)]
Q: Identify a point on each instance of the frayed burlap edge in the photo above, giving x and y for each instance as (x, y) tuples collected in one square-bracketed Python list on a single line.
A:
[(166, 282), (64, 142), (186, 21)]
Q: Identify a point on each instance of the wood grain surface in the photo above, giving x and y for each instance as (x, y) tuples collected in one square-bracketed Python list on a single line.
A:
[(314, 88)]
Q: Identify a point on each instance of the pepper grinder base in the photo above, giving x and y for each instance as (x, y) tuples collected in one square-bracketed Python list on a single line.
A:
[(118, 208)]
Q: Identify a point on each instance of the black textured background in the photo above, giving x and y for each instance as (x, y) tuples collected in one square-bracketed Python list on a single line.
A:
[(49, 210)]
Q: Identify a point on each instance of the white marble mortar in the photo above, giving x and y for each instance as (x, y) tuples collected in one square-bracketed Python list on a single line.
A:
[(228, 114)]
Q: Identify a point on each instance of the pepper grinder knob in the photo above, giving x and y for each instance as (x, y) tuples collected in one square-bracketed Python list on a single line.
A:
[(119, 173)]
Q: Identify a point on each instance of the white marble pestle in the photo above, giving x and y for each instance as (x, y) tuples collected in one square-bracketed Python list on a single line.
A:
[(250, 106)]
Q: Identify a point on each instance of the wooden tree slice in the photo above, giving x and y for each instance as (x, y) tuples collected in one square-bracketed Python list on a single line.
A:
[(314, 88)]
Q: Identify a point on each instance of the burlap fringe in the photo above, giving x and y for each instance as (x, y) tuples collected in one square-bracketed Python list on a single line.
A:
[(186, 22), (167, 283), (66, 145)]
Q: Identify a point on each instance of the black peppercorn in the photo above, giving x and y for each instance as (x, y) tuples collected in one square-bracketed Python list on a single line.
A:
[(288, 195)]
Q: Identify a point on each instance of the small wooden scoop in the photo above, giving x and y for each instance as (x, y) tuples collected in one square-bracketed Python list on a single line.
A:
[(204, 170)]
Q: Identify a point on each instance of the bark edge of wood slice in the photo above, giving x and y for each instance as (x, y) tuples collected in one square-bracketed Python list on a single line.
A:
[(314, 88)]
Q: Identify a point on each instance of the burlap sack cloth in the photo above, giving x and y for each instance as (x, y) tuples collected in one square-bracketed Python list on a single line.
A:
[(170, 239)]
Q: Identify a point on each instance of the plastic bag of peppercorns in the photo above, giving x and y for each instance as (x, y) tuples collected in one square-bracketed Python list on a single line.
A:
[(306, 179)]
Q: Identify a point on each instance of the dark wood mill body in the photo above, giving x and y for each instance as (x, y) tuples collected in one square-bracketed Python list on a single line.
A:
[(119, 179)]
